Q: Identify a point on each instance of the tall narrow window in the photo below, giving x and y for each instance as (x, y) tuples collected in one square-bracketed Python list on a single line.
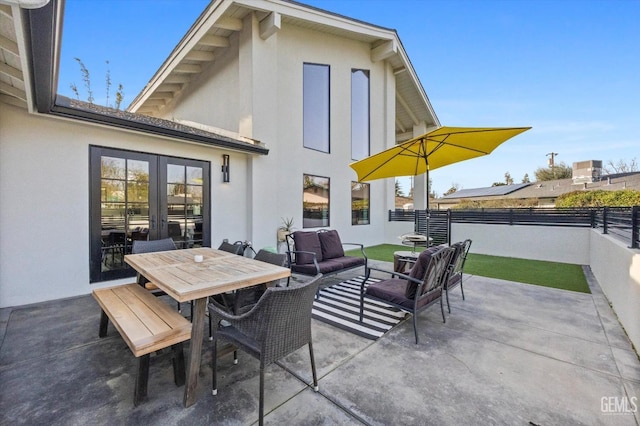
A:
[(359, 203), (316, 107), (359, 114), (315, 201)]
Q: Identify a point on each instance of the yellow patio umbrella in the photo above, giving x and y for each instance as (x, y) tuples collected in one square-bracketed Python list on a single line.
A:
[(437, 148)]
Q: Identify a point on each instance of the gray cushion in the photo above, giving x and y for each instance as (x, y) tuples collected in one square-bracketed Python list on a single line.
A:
[(393, 291), (331, 244), (307, 241), (419, 270)]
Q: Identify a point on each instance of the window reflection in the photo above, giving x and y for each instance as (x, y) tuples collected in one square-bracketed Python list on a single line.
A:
[(315, 201), (359, 203)]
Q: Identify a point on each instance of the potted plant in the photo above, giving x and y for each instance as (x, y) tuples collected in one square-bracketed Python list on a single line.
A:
[(285, 229)]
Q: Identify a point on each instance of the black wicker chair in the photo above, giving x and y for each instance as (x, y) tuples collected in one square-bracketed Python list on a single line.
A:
[(242, 300), (144, 246), (457, 268), (414, 292), (278, 324), (232, 248)]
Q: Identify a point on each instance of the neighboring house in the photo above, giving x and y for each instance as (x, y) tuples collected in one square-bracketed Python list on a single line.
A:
[(260, 100), (545, 193)]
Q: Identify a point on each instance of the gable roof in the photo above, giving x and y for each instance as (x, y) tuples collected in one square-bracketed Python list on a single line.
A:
[(209, 35), (29, 47)]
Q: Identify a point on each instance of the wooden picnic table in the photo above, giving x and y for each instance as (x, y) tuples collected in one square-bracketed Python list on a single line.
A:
[(178, 274)]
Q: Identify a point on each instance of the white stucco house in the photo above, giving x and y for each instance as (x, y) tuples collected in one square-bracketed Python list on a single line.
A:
[(254, 117)]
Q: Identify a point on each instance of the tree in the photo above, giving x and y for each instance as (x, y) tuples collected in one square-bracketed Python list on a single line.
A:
[(454, 188), (620, 167), (86, 79), (558, 171), (508, 179), (399, 192), (525, 178)]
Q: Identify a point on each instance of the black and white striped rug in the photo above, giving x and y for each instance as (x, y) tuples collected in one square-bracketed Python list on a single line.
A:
[(339, 305)]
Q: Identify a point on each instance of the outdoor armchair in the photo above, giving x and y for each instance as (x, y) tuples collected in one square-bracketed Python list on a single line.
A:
[(457, 268), (277, 325), (414, 292)]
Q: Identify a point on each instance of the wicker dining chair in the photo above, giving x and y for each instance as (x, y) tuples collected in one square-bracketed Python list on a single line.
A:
[(242, 300), (278, 324)]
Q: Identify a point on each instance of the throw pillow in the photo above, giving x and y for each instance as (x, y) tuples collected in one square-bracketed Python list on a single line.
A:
[(307, 241), (331, 244)]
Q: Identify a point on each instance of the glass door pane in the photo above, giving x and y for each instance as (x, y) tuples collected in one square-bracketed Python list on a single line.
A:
[(121, 208), (185, 208)]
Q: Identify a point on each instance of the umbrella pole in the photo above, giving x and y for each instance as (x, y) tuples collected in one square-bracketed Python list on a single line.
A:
[(427, 214)]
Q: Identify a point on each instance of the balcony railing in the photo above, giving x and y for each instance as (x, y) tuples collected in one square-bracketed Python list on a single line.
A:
[(622, 223)]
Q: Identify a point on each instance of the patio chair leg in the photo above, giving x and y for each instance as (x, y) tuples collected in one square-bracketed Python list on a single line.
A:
[(448, 305), (313, 367), (415, 326), (210, 330), (235, 357), (179, 375), (461, 288), (214, 365), (444, 319), (261, 403), (142, 379)]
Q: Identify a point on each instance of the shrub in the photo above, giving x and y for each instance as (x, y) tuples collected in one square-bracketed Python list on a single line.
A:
[(599, 198)]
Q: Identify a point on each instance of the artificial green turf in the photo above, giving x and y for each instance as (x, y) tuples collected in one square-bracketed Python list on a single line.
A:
[(564, 276)]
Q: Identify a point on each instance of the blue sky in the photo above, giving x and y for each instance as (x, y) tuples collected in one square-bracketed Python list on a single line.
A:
[(568, 68)]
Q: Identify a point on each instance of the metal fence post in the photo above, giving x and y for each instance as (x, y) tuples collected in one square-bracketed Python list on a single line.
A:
[(605, 210), (449, 226), (634, 227)]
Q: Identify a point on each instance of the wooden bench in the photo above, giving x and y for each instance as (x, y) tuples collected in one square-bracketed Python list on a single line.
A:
[(148, 325)]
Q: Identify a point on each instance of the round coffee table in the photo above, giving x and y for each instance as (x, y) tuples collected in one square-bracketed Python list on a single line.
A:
[(402, 258)]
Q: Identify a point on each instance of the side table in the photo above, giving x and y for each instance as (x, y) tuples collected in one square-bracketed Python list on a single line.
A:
[(402, 258)]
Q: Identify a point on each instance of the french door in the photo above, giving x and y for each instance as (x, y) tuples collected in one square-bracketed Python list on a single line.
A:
[(140, 196)]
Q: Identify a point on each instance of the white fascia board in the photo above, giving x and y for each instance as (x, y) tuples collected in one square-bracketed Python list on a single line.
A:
[(25, 57)]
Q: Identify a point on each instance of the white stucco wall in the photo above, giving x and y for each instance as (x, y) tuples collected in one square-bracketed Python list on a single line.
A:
[(552, 243), (44, 200), (266, 96), (617, 269)]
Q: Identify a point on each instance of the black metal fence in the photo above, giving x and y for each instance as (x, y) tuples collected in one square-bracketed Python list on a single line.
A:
[(622, 223)]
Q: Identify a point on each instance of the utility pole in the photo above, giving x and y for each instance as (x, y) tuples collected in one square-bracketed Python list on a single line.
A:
[(552, 157)]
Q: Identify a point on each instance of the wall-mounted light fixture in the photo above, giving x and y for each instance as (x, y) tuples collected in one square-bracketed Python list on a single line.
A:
[(225, 168)]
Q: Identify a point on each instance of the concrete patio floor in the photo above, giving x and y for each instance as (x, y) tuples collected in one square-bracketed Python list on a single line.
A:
[(509, 354)]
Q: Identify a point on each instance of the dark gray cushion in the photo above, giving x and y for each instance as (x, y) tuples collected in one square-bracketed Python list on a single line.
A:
[(419, 270), (326, 266), (393, 291), (307, 241), (331, 244), (348, 262)]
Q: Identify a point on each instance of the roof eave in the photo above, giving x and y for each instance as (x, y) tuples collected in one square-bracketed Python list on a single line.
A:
[(42, 28)]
